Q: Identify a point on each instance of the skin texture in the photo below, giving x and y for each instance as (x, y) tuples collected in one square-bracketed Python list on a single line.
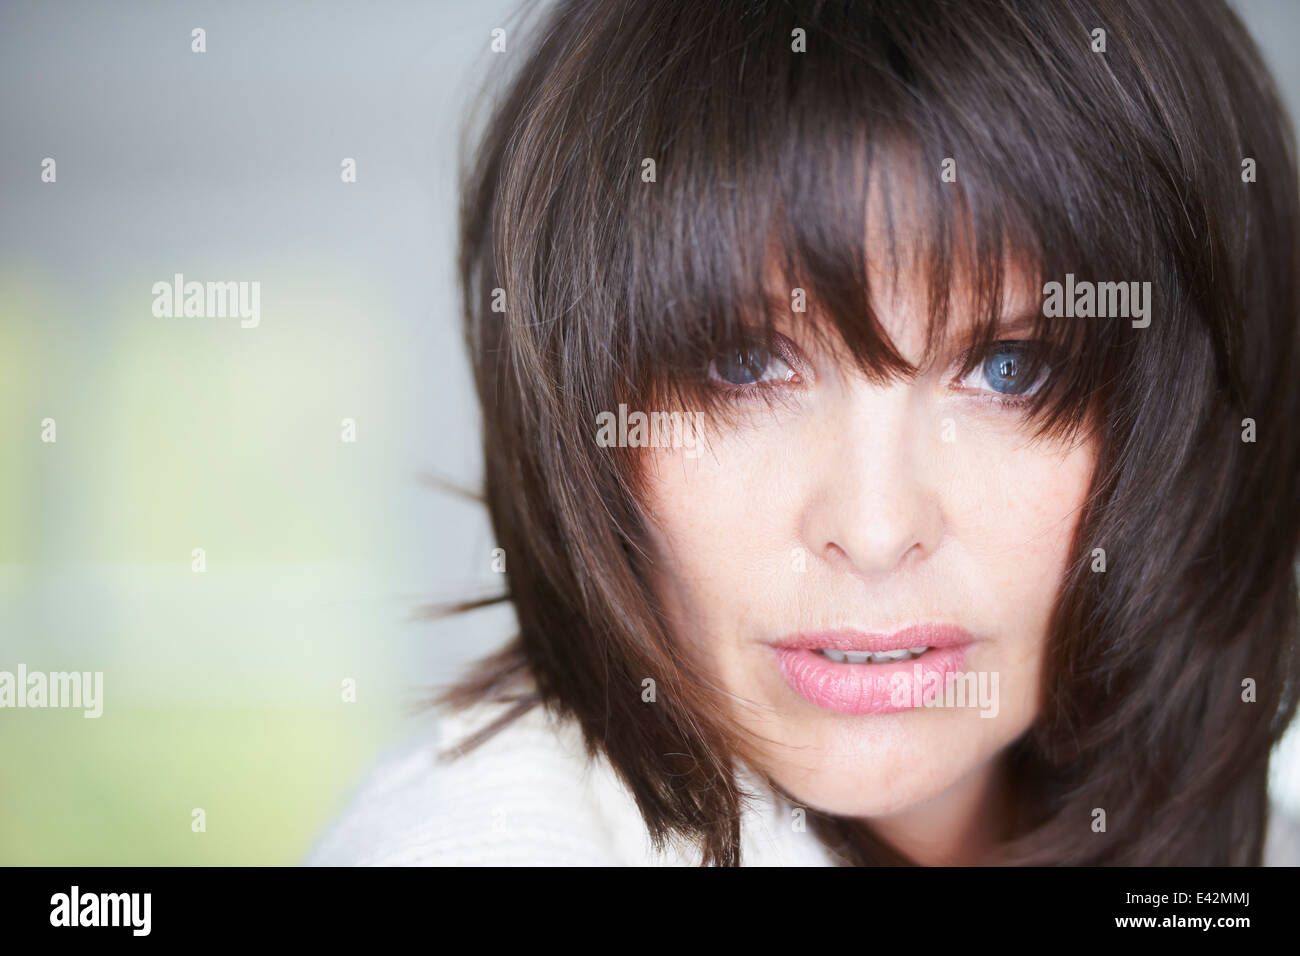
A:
[(897, 527)]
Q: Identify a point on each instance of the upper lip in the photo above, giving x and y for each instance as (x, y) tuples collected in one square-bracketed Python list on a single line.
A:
[(918, 635)]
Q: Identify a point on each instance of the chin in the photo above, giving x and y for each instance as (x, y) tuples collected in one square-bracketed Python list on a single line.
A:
[(880, 765)]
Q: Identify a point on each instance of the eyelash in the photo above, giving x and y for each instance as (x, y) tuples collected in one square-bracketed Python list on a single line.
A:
[(785, 351)]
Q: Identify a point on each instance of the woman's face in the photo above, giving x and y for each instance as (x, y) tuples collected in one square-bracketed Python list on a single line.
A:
[(850, 512)]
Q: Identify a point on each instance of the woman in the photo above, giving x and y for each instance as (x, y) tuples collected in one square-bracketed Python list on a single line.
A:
[(889, 416)]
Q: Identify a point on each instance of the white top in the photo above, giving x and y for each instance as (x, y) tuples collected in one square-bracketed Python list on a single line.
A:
[(528, 796)]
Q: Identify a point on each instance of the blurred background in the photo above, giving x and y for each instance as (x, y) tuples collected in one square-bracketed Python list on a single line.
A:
[(223, 690)]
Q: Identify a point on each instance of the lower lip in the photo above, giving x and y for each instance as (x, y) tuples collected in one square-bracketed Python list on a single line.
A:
[(866, 688)]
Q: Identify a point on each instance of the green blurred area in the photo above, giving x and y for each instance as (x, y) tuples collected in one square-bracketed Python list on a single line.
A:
[(122, 792), (221, 685)]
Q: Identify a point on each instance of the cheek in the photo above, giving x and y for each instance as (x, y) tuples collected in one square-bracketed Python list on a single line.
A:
[(1014, 509), (720, 524), (1013, 519)]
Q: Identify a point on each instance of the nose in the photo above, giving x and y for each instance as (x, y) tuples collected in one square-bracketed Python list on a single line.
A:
[(875, 507)]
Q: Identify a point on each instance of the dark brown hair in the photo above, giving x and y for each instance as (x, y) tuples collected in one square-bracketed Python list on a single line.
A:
[(1126, 163)]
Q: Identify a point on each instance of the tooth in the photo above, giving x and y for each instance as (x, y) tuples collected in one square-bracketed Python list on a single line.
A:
[(871, 657)]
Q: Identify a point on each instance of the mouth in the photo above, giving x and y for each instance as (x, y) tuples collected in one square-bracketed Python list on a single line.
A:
[(854, 672)]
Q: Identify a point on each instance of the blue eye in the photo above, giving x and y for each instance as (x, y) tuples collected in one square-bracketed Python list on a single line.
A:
[(749, 365), (1006, 370)]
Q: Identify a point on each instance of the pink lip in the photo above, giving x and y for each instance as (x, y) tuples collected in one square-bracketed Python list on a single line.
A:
[(870, 688)]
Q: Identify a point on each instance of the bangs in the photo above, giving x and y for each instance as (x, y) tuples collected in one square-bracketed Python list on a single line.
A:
[(951, 157)]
